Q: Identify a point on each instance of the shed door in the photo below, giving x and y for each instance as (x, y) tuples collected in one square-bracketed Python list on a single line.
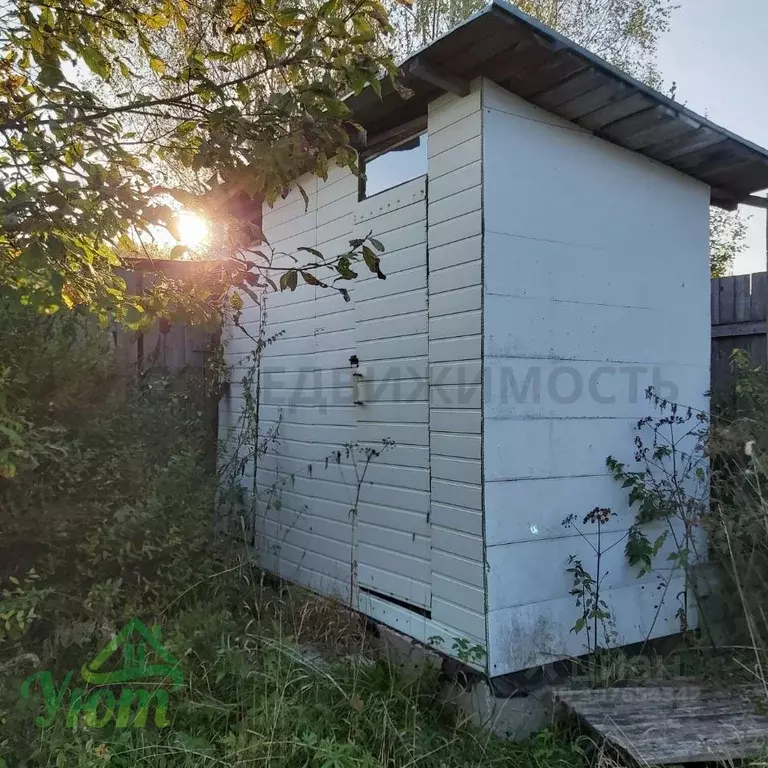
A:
[(392, 533)]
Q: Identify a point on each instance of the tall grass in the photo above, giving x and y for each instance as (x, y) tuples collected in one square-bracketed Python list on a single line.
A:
[(738, 527), (253, 697), (114, 519)]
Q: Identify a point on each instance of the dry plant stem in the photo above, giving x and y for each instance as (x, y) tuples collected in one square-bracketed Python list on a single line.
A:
[(259, 348), (353, 514)]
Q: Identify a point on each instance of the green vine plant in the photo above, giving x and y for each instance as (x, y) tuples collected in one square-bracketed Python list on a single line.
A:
[(249, 444), (596, 619), (671, 489), (246, 443), (360, 457), (355, 455), (243, 445), (463, 649), (468, 652)]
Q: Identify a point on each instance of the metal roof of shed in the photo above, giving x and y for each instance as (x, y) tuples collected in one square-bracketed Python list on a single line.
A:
[(536, 63)]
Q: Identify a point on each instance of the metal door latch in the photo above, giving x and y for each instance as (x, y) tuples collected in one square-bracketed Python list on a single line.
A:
[(356, 377)]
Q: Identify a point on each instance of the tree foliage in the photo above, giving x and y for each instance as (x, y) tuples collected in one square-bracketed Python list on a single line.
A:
[(727, 239), (625, 32), (100, 98)]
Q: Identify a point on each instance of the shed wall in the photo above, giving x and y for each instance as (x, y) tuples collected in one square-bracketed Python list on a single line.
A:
[(455, 352), (302, 523), (596, 286), (417, 540), (392, 553)]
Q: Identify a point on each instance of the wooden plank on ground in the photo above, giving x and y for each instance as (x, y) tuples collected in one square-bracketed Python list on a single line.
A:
[(675, 722)]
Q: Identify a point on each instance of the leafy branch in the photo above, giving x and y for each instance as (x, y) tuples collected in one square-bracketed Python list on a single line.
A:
[(113, 115)]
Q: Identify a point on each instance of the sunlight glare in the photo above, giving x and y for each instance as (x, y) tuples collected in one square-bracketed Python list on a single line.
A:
[(193, 229)]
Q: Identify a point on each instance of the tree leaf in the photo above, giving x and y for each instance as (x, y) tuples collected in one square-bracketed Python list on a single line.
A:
[(372, 262), (97, 62), (185, 128), (327, 8), (313, 251), (238, 14), (309, 278), (344, 269), (289, 280), (36, 40), (278, 43), (270, 130), (50, 73), (358, 79)]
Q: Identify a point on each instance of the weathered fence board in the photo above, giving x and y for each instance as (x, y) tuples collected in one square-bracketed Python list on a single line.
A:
[(738, 322), (165, 347)]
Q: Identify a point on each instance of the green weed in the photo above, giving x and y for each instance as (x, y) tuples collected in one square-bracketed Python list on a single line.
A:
[(117, 521)]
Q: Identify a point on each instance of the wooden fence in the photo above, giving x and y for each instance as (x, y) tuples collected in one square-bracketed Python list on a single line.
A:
[(739, 307), (738, 322), (166, 347)]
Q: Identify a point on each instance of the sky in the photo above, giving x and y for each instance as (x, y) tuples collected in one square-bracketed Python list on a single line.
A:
[(717, 53)]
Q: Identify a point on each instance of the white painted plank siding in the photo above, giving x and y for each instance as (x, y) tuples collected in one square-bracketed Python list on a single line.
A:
[(306, 489), (596, 286), (538, 280), (455, 354), (391, 343), (303, 527)]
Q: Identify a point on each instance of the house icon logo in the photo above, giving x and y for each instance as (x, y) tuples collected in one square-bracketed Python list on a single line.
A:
[(138, 645), (135, 656)]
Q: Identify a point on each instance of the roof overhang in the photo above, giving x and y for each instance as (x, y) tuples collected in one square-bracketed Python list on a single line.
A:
[(536, 63)]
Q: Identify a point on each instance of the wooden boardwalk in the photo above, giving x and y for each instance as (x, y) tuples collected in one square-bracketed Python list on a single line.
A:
[(676, 722)]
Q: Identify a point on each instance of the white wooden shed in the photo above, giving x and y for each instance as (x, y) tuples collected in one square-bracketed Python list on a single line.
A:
[(545, 220)]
